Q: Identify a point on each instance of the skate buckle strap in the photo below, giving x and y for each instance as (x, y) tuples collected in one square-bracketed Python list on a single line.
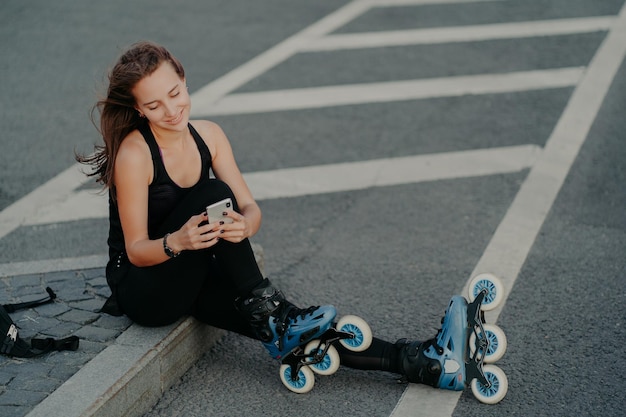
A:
[(290, 313), (304, 312), (433, 342)]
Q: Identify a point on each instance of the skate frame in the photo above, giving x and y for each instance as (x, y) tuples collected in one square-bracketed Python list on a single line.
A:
[(475, 361), (298, 358)]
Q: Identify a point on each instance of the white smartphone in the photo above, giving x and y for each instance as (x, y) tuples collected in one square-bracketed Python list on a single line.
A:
[(215, 210)]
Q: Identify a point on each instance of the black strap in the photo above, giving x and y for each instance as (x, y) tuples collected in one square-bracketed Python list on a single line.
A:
[(12, 308), (205, 153), (49, 344), (10, 342), (20, 348)]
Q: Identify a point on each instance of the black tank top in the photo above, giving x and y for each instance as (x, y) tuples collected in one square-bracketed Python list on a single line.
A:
[(163, 193)]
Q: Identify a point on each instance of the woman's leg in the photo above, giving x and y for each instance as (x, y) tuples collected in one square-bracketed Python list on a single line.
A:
[(215, 305), (161, 294), (380, 356), (404, 357)]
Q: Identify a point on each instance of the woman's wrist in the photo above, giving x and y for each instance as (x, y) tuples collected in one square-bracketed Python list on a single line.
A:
[(167, 247)]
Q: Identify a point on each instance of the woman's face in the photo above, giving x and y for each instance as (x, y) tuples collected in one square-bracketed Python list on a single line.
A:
[(163, 98)]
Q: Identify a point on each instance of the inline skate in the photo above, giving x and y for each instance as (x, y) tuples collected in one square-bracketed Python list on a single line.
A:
[(302, 339), (465, 347)]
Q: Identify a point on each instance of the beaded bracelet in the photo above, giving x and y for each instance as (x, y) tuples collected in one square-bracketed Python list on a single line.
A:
[(169, 252)]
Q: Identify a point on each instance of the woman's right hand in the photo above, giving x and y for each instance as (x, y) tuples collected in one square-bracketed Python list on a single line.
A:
[(195, 234)]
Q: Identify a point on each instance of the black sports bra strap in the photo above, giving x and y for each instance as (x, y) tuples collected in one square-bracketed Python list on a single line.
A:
[(157, 162), (205, 153), (144, 128)]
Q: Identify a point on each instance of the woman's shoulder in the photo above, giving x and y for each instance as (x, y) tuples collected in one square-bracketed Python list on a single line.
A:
[(207, 129), (134, 161), (211, 133), (133, 148)]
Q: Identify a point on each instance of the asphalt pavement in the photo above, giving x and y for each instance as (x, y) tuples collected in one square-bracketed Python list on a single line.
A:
[(395, 148)]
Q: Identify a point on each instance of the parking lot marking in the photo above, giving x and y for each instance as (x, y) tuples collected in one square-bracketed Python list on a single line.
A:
[(533, 202), (509, 247), (293, 182), (316, 97), (53, 192), (433, 36), (260, 64)]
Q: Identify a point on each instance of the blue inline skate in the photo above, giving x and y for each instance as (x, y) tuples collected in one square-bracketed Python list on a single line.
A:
[(461, 353), (301, 338)]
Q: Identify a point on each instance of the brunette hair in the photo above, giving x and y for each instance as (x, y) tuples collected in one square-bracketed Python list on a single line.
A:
[(118, 116)]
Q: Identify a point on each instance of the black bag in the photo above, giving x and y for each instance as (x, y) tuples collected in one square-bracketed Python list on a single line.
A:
[(12, 345)]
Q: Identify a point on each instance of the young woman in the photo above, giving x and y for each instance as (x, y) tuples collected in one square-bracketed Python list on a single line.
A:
[(166, 259)]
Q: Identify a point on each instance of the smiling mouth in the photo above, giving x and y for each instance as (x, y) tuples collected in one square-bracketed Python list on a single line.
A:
[(177, 119)]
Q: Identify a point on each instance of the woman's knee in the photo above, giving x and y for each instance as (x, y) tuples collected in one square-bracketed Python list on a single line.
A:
[(218, 189)]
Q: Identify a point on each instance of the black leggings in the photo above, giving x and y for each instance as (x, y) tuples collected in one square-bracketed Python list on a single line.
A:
[(205, 283), (201, 283)]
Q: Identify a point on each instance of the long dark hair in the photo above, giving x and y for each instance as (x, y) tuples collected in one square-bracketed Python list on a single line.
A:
[(118, 116)]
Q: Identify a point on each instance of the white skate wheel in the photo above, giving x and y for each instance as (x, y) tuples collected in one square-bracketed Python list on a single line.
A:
[(497, 343), (494, 287), (361, 331), (498, 389), (304, 383), (330, 362)]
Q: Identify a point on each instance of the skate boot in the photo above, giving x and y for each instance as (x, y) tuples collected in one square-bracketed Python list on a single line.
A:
[(456, 357), (281, 326), (302, 339)]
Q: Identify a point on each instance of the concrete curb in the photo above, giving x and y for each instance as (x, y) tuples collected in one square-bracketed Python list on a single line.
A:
[(128, 377)]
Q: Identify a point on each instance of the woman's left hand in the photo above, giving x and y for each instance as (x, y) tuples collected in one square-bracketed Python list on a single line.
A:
[(236, 231)]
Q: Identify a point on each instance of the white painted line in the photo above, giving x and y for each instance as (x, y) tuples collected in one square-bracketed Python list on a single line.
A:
[(315, 97), (392, 171), (85, 204), (459, 34), (53, 192), (509, 247), (292, 182), (424, 401), (395, 3)]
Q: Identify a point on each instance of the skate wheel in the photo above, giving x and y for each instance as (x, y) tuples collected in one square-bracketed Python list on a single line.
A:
[(361, 331), (304, 383), (494, 393), (497, 343), (329, 364), (494, 287)]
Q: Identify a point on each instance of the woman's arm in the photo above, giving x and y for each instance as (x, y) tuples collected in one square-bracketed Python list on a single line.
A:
[(248, 221), (132, 176)]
